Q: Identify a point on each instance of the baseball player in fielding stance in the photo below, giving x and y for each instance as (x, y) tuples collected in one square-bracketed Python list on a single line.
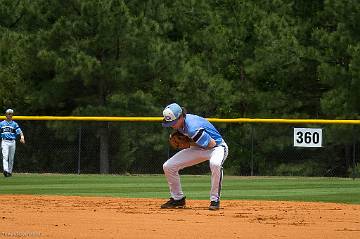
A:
[(9, 130), (208, 144)]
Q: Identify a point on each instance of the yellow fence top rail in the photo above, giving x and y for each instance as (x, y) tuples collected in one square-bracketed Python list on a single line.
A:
[(159, 119)]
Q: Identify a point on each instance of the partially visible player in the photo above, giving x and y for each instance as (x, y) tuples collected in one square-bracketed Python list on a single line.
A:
[(209, 146), (9, 130)]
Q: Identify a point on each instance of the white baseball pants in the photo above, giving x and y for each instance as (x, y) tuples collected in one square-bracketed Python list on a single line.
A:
[(8, 152), (191, 156)]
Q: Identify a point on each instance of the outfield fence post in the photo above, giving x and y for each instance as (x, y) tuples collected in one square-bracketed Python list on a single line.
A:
[(252, 150), (354, 172), (79, 150)]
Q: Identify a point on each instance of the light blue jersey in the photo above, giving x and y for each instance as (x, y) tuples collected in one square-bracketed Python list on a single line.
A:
[(200, 130), (9, 130)]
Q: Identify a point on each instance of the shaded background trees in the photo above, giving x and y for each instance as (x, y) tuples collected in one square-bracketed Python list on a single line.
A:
[(224, 58)]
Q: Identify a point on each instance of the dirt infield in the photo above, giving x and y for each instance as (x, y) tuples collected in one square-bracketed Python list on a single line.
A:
[(102, 217)]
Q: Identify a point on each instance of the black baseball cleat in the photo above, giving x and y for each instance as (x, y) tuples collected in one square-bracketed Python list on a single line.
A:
[(214, 205), (172, 203), (6, 174)]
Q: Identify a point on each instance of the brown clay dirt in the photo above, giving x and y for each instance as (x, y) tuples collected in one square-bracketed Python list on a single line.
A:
[(28, 216)]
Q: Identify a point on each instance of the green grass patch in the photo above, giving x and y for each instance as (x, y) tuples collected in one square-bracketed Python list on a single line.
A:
[(340, 190)]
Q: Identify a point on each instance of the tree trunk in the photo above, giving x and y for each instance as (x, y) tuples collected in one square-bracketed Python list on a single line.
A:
[(104, 149), (348, 156)]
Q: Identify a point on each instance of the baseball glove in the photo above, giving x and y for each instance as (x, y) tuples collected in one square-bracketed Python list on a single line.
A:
[(179, 141)]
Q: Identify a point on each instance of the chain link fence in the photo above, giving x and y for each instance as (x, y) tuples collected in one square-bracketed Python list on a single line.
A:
[(142, 148)]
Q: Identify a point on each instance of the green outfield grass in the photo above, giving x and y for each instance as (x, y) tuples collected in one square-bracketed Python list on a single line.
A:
[(196, 187)]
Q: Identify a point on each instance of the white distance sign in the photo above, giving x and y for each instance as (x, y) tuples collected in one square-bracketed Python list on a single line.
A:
[(307, 137)]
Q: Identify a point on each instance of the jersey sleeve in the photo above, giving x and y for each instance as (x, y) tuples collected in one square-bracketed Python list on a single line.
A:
[(201, 137), (17, 129)]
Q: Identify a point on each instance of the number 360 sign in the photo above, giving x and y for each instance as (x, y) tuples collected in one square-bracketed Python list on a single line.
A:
[(307, 137)]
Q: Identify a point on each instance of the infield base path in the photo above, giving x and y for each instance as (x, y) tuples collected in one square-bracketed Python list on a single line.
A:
[(104, 217)]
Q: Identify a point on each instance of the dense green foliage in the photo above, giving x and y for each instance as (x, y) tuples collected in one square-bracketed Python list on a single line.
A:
[(196, 187), (221, 58)]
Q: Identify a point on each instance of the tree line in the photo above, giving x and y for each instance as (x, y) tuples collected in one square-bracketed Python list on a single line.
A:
[(221, 58)]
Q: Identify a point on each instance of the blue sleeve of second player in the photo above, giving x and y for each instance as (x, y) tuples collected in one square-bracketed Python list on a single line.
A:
[(17, 129)]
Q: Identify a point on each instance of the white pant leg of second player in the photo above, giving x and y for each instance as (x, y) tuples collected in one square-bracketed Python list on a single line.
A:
[(11, 155), (189, 157), (8, 152)]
